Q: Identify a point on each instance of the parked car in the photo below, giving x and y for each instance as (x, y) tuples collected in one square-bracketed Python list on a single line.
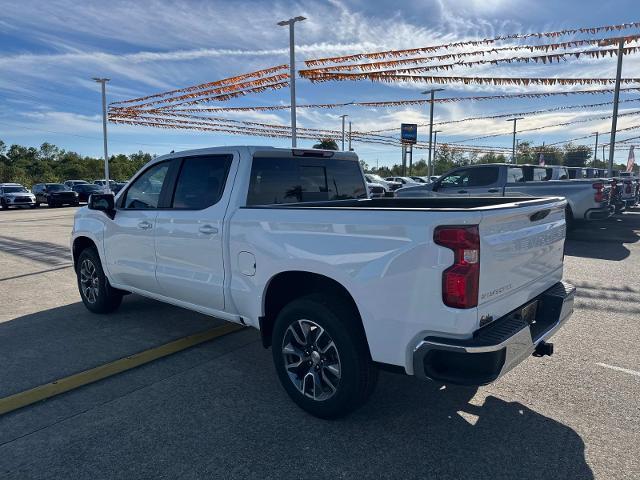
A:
[(586, 199), (405, 181), (456, 290), (389, 186), (54, 194), (15, 195), (72, 183), (103, 182), (419, 179), (85, 190), (115, 188), (375, 190)]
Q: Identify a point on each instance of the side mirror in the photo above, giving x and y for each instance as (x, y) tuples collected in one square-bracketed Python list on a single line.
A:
[(104, 202)]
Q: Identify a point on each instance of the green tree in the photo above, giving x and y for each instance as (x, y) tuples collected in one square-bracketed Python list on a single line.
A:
[(326, 144), (576, 155)]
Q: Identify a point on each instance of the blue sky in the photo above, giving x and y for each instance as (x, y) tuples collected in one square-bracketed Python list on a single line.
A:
[(49, 50)]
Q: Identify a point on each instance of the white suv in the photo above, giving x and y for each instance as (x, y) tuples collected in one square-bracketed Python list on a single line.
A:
[(15, 195)]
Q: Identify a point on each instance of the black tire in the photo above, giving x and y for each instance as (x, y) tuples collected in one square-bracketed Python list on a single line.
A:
[(3, 205), (568, 218), (33, 206), (37, 204), (340, 323), (97, 295)]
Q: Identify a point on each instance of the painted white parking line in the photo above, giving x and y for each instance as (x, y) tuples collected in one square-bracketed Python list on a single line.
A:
[(620, 369)]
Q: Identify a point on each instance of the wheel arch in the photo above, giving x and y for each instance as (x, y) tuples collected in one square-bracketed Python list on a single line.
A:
[(286, 286), (79, 244)]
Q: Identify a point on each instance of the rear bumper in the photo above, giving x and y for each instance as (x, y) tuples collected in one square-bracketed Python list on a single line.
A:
[(599, 213), (496, 348)]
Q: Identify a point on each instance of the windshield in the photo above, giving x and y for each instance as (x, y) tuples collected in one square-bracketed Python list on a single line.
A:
[(56, 187), (15, 190), (89, 188)]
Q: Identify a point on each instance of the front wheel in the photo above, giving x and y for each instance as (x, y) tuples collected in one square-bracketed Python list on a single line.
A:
[(3, 205), (322, 357), (96, 292)]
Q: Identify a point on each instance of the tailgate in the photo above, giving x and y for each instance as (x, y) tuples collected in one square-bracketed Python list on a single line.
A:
[(521, 254)]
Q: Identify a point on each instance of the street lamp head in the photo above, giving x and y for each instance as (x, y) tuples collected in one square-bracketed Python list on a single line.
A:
[(100, 80), (426, 92), (284, 23)]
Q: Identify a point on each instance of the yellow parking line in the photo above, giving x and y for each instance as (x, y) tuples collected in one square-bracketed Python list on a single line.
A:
[(62, 385)]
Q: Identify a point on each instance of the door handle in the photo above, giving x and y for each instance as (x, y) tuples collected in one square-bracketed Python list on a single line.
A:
[(493, 190), (144, 225), (462, 191), (208, 229)]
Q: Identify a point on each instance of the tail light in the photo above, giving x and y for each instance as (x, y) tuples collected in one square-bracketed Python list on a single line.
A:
[(599, 195), (461, 280)]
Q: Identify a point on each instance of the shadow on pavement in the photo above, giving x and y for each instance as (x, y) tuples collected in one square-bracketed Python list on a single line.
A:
[(604, 239), (48, 253), (229, 418), (48, 345)]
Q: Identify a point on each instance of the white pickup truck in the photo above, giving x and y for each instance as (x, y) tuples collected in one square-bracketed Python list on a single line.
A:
[(457, 290), (587, 199)]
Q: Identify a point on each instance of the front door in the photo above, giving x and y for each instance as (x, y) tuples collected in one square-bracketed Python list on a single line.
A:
[(189, 234), (129, 238)]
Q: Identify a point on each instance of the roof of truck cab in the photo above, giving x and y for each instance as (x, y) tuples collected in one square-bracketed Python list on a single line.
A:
[(252, 150)]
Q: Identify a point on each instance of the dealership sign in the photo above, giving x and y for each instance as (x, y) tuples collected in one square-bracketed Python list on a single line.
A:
[(409, 133)]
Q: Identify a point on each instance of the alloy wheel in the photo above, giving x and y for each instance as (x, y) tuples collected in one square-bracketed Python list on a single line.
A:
[(89, 280), (311, 360)]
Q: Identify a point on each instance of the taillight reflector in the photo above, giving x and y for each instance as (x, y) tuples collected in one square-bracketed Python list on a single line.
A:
[(599, 196), (460, 281)]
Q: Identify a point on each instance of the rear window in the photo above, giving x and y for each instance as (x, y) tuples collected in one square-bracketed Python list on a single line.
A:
[(293, 180)]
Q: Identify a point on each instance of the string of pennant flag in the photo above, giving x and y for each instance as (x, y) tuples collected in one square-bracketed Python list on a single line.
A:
[(187, 108)]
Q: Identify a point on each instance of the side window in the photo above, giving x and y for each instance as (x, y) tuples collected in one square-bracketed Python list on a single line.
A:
[(541, 174), (482, 177), (201, 181), (455, 179), (144, 192), (515, 175)]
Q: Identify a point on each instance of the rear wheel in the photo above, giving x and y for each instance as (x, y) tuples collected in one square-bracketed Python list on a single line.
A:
[(322, 357), (96, 292)]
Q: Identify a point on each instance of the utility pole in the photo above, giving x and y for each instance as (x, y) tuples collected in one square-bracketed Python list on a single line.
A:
[(513, 148), (350, 149), (292, 74), (103, 84), (343, 117), (616, 97), (410, 158), (431, 92), (435, 146), (595, 150)]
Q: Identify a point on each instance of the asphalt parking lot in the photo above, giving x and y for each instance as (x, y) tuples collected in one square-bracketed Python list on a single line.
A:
[(217, 410)]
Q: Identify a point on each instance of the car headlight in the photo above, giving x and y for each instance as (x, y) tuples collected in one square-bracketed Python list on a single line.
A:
[(75, 194)]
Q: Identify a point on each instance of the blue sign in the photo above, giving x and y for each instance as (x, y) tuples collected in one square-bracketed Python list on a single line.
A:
[(409, 133)]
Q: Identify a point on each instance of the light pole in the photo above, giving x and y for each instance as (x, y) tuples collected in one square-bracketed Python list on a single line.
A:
[(431, 92), (103, 83), (292, 74), (350, 149), (595, 150), (343, 117), (513, 148)]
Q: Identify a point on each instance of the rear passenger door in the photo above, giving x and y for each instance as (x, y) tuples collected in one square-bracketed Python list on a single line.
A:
[(189, 234)]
